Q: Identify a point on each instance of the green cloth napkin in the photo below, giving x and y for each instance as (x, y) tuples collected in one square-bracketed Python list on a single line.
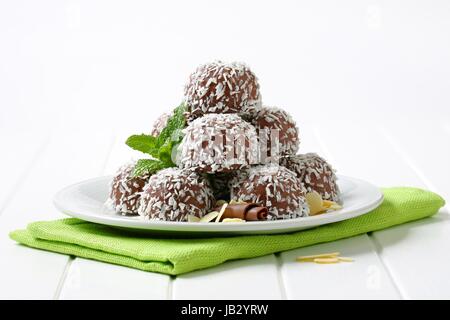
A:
[(177, 256)]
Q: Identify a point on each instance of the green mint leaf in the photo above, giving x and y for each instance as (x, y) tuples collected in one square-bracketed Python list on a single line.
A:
[(160, 147), (176, 123), (148, 166), (166, 150), (144, 143), (165, 153)]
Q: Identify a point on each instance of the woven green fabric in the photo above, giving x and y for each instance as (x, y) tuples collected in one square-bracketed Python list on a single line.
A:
[(177, 256)]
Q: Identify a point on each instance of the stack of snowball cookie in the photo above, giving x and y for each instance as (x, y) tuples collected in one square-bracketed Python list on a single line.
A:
[(225, 98)]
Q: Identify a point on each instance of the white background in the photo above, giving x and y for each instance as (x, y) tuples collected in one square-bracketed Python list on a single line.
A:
[(367, 81), (129, 59)]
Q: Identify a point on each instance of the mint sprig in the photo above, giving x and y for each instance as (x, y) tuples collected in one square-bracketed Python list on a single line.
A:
[(148, 166), (144, 143), (160, 148), (175, 123)]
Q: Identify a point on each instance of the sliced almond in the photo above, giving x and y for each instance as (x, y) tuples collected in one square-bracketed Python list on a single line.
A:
[(220, 203), (345, 259), (232, 220), (335, 207), (326, 260), (209, 217), (315, 203), (192, 218), (222, 211), (317, 256), (232, 201), (331, 205), (327, 203)]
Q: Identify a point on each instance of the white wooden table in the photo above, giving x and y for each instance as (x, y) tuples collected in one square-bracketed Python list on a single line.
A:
[(368, 83)]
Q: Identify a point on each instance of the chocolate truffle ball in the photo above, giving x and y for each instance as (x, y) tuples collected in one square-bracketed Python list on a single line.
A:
[(220, 87), (159, 124), (125, 190), (272, 186), (275, 118), (172, 194), (218, 143), (315, 173)]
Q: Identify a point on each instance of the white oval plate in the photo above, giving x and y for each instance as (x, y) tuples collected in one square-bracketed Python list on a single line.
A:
[(86, 200)]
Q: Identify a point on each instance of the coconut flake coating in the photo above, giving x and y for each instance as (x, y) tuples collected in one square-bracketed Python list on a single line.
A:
[(275, 118), (125, 190), (220, 87), (218, 143), (159, 124), (274, 187), (315, 173), (172, 194)]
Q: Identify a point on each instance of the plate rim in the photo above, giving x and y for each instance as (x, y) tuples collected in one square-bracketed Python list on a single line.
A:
[(284, 226)]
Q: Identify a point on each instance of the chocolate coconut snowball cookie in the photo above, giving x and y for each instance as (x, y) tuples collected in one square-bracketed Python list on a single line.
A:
[(275, 118), (172, 194), (125, 190), (220, 87), (159, 124), (272, 186), (315, 173), (218, 143)]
